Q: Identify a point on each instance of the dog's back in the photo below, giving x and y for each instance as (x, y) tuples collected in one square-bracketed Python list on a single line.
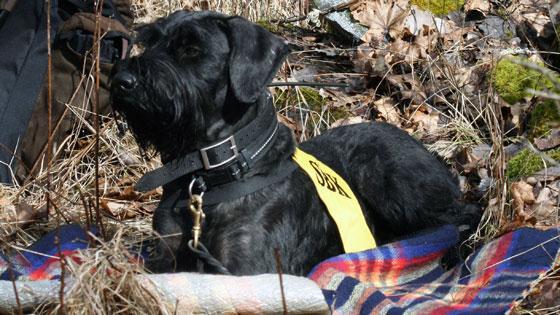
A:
[(404, 187)]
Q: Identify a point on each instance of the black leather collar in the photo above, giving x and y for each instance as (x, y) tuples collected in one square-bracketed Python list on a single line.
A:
[(176, 194), (224, 161)]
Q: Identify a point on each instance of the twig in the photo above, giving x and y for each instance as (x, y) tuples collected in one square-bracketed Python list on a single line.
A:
[(49, 155), (13, 280), (337, 7), (96, 51), (310, 84), (545, 94), (49, 105), (62, 267), (290, 20), (279, 271), (543, 156), (98, 219), (87, 212)]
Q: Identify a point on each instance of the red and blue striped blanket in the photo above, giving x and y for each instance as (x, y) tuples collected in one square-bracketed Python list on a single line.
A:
[(406, 277), (398, 278)]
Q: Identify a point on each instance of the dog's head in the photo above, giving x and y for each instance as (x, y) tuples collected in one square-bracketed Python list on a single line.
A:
[(195, 79)]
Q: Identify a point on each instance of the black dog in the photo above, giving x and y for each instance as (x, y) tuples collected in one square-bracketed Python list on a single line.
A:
[(201, 79)]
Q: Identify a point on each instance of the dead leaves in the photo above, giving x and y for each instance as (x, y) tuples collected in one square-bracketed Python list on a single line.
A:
[(424, 119), (18, 214), (407, 88), (126, 203), (544, 296), (549, 142), (522, 195), (405, 38), (368, 61), (476, 9), (534, 15), (387, 111), (383, 17), (535, 202), (123, 210), (399, 31), (417, 48)]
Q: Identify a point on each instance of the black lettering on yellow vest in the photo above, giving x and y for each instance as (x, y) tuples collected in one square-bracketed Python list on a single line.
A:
[(318, 172), (325, 179), (340, 190), (330, 182)]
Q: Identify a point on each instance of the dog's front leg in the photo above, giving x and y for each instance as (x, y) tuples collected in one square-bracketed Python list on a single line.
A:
[(169, 253)]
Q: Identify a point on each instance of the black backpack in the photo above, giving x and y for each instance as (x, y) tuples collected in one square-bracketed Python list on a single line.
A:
[(23, 65)]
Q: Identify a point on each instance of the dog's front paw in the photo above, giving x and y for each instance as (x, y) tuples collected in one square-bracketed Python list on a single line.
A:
[(162, 259)]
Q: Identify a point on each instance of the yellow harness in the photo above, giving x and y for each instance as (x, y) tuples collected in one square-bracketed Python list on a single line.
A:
[(340, 202)]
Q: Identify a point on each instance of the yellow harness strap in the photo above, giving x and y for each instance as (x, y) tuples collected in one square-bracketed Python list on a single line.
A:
[(340, 201)]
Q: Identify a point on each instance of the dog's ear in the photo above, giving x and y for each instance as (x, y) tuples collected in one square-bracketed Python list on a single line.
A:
[(147, 35), (255, 56)]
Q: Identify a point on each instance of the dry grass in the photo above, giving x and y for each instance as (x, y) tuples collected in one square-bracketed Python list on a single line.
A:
[(254, 10), (104, 281)]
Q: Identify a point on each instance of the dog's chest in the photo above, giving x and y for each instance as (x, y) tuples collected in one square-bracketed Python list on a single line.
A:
[(289, 217)]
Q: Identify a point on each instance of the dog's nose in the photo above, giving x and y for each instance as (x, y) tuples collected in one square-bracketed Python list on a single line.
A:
[(124, 81)]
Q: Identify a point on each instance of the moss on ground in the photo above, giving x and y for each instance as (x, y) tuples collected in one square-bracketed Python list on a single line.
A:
[(526, 163), (544, 117), (311, 96), (555, 154), (271, 27), (439, 7), (511, 80), (314, 100)]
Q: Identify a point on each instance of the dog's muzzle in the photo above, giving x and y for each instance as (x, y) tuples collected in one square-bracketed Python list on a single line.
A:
[(123, 82)]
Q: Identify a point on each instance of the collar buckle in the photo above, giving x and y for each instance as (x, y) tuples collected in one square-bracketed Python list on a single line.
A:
[(206, 160)]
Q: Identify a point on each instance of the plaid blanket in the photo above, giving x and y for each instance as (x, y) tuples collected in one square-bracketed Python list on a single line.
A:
[(402, 277), (406, 277), (41, 260)]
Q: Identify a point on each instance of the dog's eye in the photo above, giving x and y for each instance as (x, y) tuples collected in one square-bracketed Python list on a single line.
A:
[(188, 52)]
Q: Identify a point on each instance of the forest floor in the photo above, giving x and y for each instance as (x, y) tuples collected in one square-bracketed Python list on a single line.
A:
[(476, 81)]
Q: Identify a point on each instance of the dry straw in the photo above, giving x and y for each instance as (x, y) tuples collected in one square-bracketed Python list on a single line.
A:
[(104, 282)]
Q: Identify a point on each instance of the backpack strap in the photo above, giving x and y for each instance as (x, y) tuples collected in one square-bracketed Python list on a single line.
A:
[(67, 8), (77, 34), (114, 45), (23, 63)]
